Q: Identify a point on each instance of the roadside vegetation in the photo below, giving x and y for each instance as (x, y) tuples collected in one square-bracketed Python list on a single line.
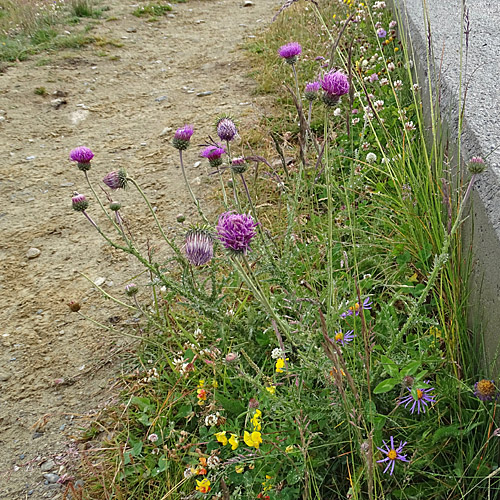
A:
[(312, 342)]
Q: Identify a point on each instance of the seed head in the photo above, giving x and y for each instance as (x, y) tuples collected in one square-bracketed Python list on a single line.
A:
[(114, 206), (79, 202), (116, 179)]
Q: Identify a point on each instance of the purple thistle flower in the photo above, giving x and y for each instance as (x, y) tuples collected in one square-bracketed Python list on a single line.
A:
[(82, 155), (343, 338), (334, 85), (235, 231), (476, 165), (226, 129), (485, 390), (199, 246), (357, 308), (79, 202), (131, 289), (393, 454), (381, 33), (239, 165), (311, 90), (422, 400), (213, 154), (290, 51), (182, 137), (116, 179)]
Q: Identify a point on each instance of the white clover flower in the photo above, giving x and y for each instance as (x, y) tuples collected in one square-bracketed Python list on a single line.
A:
[(384, 81), (371, 158), (337, 112), (355, 121), (379, 105), (391, 66), (416, 87), (410, 126), (277, 353), (398, 84), (213, 461), (212, 419), (393, 24)]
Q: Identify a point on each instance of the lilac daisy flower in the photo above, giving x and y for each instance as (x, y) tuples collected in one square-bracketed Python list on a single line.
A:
[(343, 338), (381, 33), (393, 454), (485, 390), (290, 51), (82, 156), (115, 180), (423, 398), (226, 129), (199, 246), (311, 90), (334, 85), (213, 154), (236, 231), (356, 308), (182, 137)]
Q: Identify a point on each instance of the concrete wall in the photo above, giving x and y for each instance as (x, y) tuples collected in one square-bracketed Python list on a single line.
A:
[(480, 134)]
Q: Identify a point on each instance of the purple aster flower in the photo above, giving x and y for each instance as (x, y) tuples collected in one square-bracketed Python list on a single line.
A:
[(199, 246), (213, 154), (182, 137), (235, 231), (311, 90), (381, 33), (82, 155), (116, 179), (226, 129), (290, 51), (79, 202), (343, 338), (485, 390), (423, 398), (393, 454), (476, 165), (239, 165), (357, 308), (334, 85)]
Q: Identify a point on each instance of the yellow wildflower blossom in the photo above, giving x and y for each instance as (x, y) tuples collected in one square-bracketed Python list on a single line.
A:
[(280, 364), (271, 389), (233, 441), (203, 486), (253, 440), (290, 448), (256, 420), (221, 437), (201, 383), (239, 469)]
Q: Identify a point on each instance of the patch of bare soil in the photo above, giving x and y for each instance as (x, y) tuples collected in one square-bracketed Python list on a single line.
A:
[(56, 367)]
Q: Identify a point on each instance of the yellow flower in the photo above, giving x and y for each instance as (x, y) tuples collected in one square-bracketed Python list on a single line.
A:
[(256, 420), (252, 440), (215, 384), (203, 486), (280, 363), (221, 437), (271, 389), (239, 469), (233, 441), (266, 485), (201, 383), (290, 448), (396, 49)]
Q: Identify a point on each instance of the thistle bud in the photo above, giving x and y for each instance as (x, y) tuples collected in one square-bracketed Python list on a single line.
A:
[(114, 206), (79, 202), (239, 165), (476, 165), (117, 179), (131, 289)]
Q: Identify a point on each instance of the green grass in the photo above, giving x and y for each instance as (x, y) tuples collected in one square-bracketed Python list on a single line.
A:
[(152, 10)]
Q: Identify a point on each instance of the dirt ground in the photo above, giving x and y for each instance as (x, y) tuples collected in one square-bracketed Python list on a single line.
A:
[(124, 102)]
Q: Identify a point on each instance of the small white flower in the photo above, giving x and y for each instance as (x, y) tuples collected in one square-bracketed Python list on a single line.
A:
[(393, 24), (277, 353), (337, 112), (213, 461), (416, 87), (391, 66), (212, 419), (410, 126), (379, 105), (153, 438), (371, 158), (365, 146), (398, 84), (355, 121), (364, 63), (384, 81)]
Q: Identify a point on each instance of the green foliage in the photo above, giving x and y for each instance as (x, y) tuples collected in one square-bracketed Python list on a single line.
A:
[(152, 10)]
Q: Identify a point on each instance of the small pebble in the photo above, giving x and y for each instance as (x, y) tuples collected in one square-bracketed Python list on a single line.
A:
[(161, 98), (4, 377), (30, 492), (48, 466), (33, 253), (51, 478), (67, 184), (203, 94), (63, 426), (131, 30), (30, 158), (248, 3), (200, 21), (21, 457), (36, 435)]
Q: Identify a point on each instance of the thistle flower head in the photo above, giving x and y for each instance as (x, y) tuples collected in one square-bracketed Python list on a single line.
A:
[(239, 165), (485, 390), (116, 179), (226, 128), (79, 202), (131, 289), (418, 401), (182, 137), (82, 156), (392, 454), (334, 85), (311, 90), (199, 246), (290, 51), (476, 165), (236, 231), (213, 154)]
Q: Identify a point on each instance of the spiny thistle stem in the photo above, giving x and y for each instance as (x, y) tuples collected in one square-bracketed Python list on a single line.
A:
[(193, 197), (235, 191), (169, 242)]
